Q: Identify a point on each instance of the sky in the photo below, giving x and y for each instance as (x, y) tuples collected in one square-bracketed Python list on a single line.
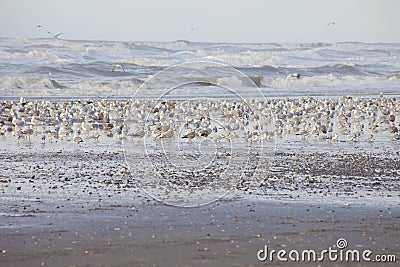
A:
[(250, 21)]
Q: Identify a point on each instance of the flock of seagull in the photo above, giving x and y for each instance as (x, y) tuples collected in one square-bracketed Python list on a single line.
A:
[(55, 36), (346, 119)]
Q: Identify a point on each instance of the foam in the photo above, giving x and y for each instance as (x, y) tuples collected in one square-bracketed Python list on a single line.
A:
[(84, 67), (34, 54), (25, 83), (248, 58), (330, 80), (13, 86)]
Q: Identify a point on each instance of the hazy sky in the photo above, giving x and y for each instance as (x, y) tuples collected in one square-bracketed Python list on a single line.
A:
[(205, 20)]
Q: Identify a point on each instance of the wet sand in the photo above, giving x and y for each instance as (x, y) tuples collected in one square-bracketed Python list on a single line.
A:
[(77, 207), (227, 233)]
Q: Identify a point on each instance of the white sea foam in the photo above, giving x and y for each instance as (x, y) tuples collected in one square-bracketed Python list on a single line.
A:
[(74, 67), (249, 58), (330, 80), (25, 83), (34, 54)]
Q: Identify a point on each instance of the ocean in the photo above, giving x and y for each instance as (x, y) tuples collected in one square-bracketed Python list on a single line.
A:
[(68, 68)]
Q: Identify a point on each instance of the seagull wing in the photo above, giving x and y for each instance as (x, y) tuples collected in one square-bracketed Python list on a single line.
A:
[(58, 34), (117, 66)]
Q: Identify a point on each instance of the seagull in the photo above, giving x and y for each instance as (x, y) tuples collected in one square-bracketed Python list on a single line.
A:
[(190, 135), (39, 26), (168, 134), (36, 121), (117, 66), (96, 136), (205, 132), (78, 139), (139, 133), (332, 23), (294, 75), (27, 132), (55, 36)]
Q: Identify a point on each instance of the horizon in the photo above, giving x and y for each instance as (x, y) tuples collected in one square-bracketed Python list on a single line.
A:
[(188, 41)]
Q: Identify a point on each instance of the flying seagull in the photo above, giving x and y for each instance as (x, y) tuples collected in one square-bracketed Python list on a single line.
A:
[(117, 66), (39, 26), (332, 23), (55, 36), (294, 75)]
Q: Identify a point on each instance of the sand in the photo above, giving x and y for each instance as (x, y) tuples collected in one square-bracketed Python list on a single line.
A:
[(79, 206), (227, 233)]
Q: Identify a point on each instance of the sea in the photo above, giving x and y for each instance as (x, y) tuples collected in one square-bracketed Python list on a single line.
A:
[(58, 68)]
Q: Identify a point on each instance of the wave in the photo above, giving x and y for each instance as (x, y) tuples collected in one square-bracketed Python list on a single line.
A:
[(394, 76), (333, 81), (341, 69), (320, 81), (25, 83), (326, 84), (34, 54), (248, 58), (37, 84), (209, 78), (84, 67), (145, 68)]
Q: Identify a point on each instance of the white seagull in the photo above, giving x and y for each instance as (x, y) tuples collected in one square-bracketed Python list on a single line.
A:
[(55, 36), (117, 66), (77, 139), (293, 75)]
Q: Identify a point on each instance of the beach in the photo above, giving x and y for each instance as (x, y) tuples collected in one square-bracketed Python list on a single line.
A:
[(79, 206), (198, 154), (129, 228)]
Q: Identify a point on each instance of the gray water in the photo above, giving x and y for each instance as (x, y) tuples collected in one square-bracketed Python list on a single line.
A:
[(62, 68)]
